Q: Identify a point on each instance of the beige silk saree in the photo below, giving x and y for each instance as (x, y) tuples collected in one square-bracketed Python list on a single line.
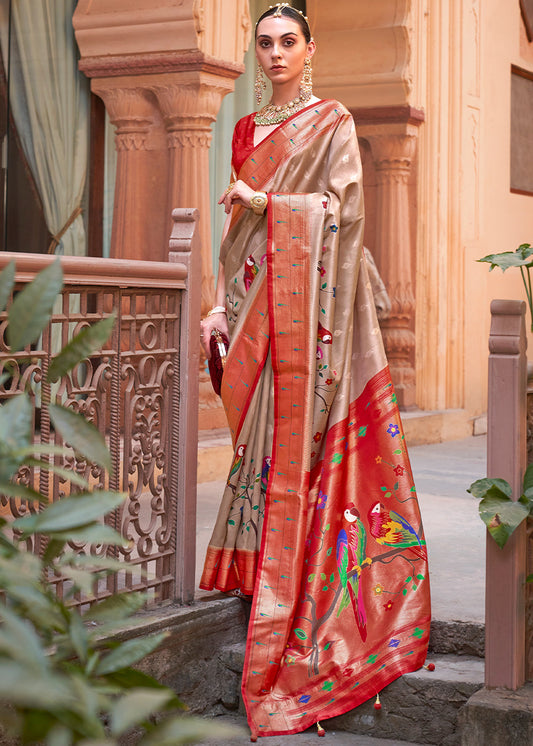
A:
[(319, 519)]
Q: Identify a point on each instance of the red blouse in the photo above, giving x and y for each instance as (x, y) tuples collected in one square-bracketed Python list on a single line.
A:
[(242, 144)]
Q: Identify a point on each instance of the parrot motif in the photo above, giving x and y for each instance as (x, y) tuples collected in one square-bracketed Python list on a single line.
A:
[(265, 472), (351, 555), (250, 271), (237, 461), (324, 336), (392, 530)]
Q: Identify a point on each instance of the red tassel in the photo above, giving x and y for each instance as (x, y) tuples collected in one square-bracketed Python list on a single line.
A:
[(430, 667), (253, 739), (321, 731), (377, 703)]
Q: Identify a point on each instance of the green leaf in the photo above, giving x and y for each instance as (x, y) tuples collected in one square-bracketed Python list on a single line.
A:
[(69, 512), (528, 478), (132, 678), (481, 487), (99, 533), (129, 653), (136, 706), (25, 687), (16, 431), (7, 281), (81, 435), (501, 515), (14, 489), (183, 729), (31, 309), (506, 259), (69, 475), (78, 637), (300, 633), (89, 340), (117, 607)]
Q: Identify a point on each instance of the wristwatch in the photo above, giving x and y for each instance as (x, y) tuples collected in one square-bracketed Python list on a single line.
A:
[(258, 203)]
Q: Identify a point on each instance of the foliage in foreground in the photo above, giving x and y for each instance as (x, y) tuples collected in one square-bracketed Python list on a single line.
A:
[(522, 258), (500, 513), (63, 678)]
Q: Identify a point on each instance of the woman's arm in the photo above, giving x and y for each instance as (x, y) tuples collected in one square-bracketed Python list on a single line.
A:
[(216, 320)]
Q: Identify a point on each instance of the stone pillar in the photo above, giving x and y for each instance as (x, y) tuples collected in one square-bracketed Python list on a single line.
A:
[(393, 148), (139, 226), (189, 102)]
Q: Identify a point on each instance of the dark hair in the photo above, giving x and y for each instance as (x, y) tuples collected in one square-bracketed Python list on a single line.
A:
[(291, 13)]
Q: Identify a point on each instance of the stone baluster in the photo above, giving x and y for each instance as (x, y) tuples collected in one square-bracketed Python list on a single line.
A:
[(393, 149)]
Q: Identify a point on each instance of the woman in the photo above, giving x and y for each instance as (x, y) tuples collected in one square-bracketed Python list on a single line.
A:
[(319, 520)]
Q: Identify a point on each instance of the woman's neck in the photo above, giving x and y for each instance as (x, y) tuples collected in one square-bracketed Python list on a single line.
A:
[(284, 94)]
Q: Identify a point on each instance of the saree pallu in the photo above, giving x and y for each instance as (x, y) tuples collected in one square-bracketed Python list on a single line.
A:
[(319, 518)]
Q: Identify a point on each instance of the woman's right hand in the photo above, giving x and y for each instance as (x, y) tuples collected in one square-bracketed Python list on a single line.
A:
[(215, 321)]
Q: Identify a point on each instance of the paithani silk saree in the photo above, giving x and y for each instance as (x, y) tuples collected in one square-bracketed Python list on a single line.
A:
[(319, 519)]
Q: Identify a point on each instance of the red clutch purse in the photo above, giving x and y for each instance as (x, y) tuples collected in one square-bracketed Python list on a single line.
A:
[(218, 346)]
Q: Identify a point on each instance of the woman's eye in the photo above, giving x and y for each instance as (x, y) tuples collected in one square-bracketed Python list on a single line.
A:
[(263, 44)]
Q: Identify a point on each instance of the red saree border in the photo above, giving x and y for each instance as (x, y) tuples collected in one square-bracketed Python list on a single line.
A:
[(292, 341), (226, 569), (246, 355)]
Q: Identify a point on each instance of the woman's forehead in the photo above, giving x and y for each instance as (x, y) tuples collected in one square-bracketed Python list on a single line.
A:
[(276, 27)]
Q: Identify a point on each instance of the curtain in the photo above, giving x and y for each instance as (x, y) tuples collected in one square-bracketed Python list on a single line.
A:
[(49, 100)]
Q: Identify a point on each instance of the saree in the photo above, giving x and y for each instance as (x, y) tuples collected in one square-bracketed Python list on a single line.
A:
[(319, 520)]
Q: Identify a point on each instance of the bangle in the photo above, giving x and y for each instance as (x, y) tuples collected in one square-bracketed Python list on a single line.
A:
[(259, 202), (216, 309)]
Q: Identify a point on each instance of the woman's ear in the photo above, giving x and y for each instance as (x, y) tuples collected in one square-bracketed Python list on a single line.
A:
[(311, 48)]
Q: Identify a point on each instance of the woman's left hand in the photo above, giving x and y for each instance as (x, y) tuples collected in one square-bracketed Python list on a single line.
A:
[(239, 194)]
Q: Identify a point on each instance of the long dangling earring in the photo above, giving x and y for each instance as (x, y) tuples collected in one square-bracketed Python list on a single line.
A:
[(260, 84), (306, 83)]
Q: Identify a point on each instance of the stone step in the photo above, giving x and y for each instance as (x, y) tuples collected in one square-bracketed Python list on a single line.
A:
[(308, 738), (422, 706), (457, 638)]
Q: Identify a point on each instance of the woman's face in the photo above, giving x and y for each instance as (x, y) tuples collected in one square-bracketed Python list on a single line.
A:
[(281, 49)]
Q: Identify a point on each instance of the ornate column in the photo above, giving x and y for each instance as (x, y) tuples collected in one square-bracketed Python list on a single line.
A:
[(139, 227), (393, 146), (189, 102)]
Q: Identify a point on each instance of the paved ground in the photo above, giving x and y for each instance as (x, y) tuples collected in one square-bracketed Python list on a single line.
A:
[(454, 531), (309, 738)]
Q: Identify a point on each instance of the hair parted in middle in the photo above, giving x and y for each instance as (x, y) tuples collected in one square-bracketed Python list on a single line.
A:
[(284, 9)]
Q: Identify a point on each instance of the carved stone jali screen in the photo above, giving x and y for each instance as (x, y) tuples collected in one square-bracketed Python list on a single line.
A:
[(129, 391)]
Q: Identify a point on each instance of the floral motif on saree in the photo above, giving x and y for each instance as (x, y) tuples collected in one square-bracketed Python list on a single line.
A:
[(319, 519)]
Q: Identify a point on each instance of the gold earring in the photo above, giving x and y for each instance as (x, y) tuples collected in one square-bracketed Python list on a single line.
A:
[(260, 84), (306, 83)]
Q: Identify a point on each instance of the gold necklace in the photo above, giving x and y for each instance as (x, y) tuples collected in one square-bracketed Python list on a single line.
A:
[(271, 114)]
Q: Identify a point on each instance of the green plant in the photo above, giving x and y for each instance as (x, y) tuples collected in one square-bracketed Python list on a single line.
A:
[(64, 679), (523, 258), (500, 513)]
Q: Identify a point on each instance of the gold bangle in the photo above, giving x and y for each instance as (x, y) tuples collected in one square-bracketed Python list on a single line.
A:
[(215, 309), (259, 202), (230, 187)]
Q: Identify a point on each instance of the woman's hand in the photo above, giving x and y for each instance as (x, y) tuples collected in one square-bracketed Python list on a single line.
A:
[(215, 321), (237, 193)]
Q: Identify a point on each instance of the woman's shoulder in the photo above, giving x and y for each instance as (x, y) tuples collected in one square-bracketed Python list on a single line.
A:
[(244, 123), (339, 107)]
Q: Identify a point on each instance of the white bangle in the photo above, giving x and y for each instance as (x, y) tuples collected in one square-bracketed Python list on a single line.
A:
[(216, 309)]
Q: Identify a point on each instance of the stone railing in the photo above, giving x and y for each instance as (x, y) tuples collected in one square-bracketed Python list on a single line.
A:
[(509, 599), (141, 392)]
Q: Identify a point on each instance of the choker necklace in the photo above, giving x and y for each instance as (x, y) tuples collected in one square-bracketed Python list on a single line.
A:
[(271, 114)]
